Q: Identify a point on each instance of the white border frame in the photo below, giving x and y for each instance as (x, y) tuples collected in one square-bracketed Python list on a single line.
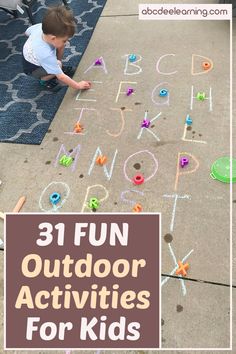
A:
[(83, 214), (231, 250)]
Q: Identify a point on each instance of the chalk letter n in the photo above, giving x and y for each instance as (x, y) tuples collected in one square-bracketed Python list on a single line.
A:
[(98, 153)]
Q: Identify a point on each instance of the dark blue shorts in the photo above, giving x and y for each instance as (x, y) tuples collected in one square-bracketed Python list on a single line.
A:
[(32, 69)]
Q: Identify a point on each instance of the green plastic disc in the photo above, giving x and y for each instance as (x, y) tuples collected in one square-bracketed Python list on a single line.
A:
[(220, 170)]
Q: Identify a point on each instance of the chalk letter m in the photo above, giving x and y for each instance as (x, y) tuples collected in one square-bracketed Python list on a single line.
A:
[(75, 153)]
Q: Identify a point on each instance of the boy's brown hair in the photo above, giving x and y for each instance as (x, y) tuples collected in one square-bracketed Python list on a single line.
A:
[(59, 21)]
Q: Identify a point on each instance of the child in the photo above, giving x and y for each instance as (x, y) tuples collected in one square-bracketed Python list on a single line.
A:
[(43, 50)]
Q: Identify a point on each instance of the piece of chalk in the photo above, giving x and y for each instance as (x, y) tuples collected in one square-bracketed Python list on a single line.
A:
[(19, 205), (2, 215)]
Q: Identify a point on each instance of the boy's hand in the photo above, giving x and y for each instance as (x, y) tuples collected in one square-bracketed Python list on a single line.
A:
[(84, 85)]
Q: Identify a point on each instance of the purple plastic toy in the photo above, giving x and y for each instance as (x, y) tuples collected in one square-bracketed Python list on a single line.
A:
[(184, 161), (98, 62), (145, 123), (129, 91)]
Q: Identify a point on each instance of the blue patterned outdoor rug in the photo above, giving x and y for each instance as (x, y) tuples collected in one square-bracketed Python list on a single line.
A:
[(25, 111)]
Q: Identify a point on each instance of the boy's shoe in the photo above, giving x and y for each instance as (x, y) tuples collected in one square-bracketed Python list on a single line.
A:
[(51, 85), (68, 70)]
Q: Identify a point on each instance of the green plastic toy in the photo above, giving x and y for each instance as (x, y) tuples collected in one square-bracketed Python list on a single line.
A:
[(93, 203), (66, 160), (220, 170), (201, 96)]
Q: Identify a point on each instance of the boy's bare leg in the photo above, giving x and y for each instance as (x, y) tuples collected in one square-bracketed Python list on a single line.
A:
[(52, 76), (48, 77)]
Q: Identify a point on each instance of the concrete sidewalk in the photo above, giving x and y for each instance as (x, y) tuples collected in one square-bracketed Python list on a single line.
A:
[(195, 214)]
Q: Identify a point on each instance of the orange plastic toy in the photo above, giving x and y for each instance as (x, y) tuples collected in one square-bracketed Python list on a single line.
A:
[(206, 65), (78, 128), (182, 269), (101, 160), (137, 208)]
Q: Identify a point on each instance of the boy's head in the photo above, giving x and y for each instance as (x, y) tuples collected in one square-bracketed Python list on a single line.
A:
[(59, 25)]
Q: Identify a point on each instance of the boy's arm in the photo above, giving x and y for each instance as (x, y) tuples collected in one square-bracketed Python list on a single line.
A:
[(82, 85), (60, 52)]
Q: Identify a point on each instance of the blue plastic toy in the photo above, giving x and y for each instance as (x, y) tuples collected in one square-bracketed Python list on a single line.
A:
[(132, 58), (55, 198), (163, 92), (188, 120)]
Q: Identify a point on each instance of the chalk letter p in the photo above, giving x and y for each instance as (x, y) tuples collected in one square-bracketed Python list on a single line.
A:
[(178, 173)]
